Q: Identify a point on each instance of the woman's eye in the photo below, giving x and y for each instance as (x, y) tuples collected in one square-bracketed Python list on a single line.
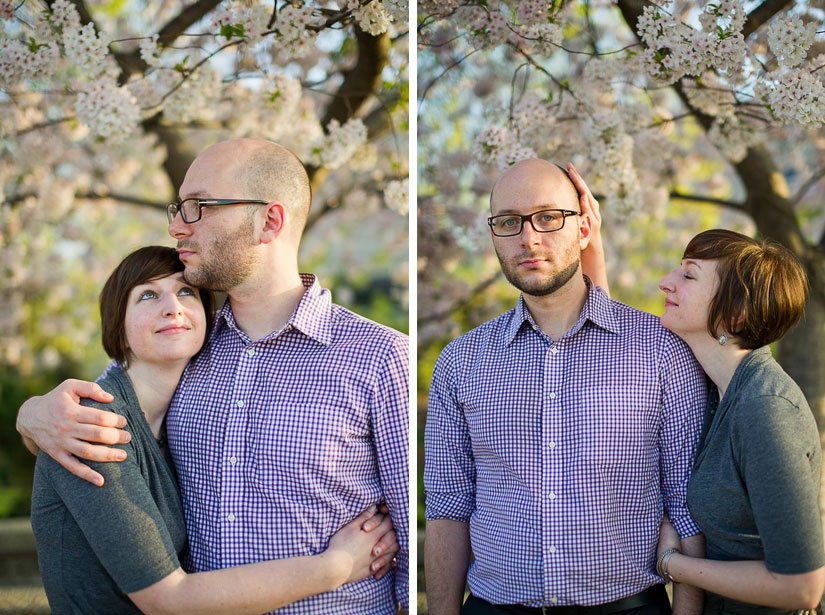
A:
[(687, 276), (187, 291), (147, 294)]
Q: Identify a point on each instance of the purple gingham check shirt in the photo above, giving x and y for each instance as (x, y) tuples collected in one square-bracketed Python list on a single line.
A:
[(562, 453), (281, 441)]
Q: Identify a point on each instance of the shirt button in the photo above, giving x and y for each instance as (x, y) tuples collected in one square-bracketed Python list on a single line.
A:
[(233, 460), (551, 444), (552, 396), (554, 350), (250, 352), (552, 496), (230, 517), (240, 404), (552, 549)]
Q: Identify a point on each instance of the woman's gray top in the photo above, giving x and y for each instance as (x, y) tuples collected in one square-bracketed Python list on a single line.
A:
[(96, 544), (755, 484)]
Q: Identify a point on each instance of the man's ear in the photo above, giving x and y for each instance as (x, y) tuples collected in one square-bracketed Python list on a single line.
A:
[(275, 221), (585, 230)]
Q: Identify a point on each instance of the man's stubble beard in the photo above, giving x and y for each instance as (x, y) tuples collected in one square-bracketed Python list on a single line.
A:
[(230, 261), (543, 286)]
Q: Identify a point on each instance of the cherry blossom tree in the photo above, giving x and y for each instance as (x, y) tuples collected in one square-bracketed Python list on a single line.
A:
[(680, 115), (105, 104)]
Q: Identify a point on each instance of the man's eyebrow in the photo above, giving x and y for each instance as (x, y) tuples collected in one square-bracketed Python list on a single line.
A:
[(537, 209), (194, 194)]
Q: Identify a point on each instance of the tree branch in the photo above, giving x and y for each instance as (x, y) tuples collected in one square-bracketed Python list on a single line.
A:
[(131, 63), (449, 311), (813, 179), (94, 196), (761, 14), (696, 198)]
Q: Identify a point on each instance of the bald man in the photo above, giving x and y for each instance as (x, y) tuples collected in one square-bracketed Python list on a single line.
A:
[(559, 433), (293, 418)]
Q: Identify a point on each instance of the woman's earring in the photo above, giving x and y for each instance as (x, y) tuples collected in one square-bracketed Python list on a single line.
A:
[(125, 364), (722, 339)]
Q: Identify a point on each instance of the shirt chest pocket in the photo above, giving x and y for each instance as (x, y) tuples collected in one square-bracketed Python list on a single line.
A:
[(300, 451)]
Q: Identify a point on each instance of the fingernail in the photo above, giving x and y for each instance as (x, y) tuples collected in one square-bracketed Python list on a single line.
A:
[(99, 482), (378, 551), (374, 566), (121, 456)]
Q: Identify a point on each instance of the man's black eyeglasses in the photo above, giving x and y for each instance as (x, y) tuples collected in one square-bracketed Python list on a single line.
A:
[(543, 221), (190, 209)]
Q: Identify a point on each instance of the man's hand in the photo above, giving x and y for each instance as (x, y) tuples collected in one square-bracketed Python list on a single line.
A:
[(446, 560), (57, 424), (593, 265), (668, 538)]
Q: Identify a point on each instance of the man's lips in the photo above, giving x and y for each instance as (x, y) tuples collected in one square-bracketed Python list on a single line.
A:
[(184, 253), (531, 263)]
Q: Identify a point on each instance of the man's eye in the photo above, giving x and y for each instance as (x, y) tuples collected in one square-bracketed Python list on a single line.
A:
[(546, 218), (509, 222)]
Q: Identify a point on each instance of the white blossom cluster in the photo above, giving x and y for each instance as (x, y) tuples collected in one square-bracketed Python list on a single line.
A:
[(252, 16), (370, 16), (340, 142), (710, 95), (150, 52), (294, 39), (611, 154), (110, 111), (674, 49), (534, 123), (437, 7), (487, 28), (398, 10), (7, 9), (397, 196), (793, 96), (539, 26), (790, 39), (732, 137), (499, 146)]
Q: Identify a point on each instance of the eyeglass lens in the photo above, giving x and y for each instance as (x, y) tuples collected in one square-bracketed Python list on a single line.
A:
[(543, 221)]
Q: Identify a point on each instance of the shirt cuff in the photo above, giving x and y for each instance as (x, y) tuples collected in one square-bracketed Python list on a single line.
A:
[(684, 525), (455, 506)]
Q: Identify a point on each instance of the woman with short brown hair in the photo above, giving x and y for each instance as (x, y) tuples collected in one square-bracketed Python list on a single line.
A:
[(754, 490)]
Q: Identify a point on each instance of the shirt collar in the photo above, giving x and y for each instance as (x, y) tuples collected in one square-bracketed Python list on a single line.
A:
[(596, 309), (312, 316)]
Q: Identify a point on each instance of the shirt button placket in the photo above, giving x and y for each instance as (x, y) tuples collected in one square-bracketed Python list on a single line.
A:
[(551, 487)]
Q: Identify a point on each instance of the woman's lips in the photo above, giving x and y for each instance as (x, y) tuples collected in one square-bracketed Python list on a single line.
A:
[(171, 329)]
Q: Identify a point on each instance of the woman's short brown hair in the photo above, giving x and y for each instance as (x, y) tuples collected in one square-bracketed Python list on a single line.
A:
[(762, 286), (141, 266)]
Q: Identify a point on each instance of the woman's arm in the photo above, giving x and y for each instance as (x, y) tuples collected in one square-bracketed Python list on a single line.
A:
[(264, 586), (593, 263), (750, 582), (746, 581)]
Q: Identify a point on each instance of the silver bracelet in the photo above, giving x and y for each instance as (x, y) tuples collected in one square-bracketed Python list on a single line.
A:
[(666, 561), (661, 563)]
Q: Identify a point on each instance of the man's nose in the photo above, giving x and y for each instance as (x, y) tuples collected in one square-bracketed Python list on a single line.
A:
[(178, 228), (529, 236)]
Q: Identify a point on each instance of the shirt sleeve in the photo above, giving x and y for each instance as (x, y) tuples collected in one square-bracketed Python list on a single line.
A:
[(684, 395), (449, 467), (120, 520), (776, 445), (391, 433)]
